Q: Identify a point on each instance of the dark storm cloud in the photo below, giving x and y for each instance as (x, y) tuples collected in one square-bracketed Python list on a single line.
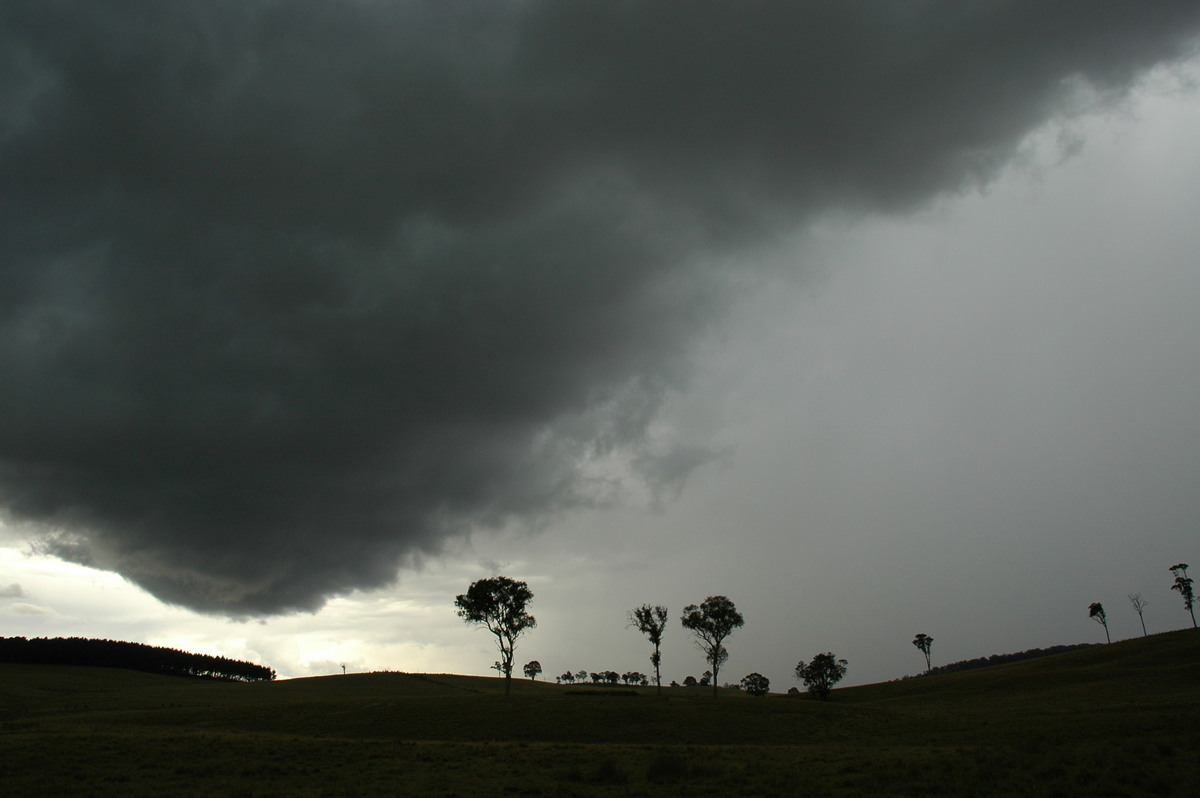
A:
[(291, 291)]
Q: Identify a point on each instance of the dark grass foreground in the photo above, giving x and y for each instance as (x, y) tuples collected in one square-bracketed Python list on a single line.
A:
[(1104, 721)]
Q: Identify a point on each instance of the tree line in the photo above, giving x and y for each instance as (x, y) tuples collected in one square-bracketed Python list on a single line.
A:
[(132, 656), (603, 677), (501, 606)]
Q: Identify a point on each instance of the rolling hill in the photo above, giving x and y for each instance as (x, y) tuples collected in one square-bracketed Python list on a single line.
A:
[(1107, 720)]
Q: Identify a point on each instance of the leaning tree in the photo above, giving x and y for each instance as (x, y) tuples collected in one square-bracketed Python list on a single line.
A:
[(713, 622), (1096, 613), (924, 643), (498, 604)]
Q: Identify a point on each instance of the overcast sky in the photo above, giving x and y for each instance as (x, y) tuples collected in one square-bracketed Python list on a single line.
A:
[(876, 318)]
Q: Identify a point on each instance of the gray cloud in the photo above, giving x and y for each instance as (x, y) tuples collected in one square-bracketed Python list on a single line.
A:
[(12, 591), (22, 608), (294, 291)]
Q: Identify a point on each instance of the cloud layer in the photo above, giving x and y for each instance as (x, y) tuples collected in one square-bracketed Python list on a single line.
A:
[(291, 292)]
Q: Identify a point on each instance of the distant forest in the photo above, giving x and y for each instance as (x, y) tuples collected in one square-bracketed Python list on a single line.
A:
[(134, 656), (1000, 659)]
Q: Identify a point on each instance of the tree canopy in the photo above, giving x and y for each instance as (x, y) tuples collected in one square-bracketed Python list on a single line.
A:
[(499, 605), (756, 684), (820, 675), (713, 621)]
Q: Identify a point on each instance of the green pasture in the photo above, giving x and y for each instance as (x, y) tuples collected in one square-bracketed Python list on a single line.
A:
[(1105, 721)]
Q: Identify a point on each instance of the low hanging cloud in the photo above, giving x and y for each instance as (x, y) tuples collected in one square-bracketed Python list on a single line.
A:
[(293, 292)]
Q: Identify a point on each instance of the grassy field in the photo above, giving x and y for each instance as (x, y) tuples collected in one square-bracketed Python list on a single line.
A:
[(1109, 720)]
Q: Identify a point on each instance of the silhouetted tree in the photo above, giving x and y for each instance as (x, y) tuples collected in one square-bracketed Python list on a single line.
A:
[(713, 622), (1096, 613), (820, 675), (612, 677), (498, 603), (706, 679), (581, 675), (689, 681), (756, 684), (532, 669), (924, 643), (1139, 606), (1183, 585), (652, 622)]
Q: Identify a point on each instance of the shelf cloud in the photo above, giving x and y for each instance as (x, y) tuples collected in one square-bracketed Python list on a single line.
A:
[(293, 293)]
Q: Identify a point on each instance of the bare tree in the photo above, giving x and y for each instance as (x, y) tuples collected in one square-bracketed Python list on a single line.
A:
[(712, 622), (1139, 606), (1096, 613), (1183, 585), (498, 603), (924, 644), (652, 622)]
